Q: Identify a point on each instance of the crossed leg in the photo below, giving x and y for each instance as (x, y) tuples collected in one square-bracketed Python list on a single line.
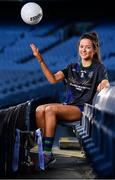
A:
[(48, 115)]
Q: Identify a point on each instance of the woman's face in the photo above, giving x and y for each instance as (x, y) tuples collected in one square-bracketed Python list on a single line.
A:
[(86, 49)]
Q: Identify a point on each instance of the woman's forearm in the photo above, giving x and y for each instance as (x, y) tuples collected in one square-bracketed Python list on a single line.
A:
[(48, 74)]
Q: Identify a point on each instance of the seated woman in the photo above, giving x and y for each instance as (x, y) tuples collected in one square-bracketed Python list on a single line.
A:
[(82, 79)]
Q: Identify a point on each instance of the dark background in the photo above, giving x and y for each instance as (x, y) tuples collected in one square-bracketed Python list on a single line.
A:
[(55, 9)]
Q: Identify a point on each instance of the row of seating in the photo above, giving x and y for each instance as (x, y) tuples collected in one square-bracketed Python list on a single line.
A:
[(57, 53), (106, 33), (26, 78), (97, 133), (17, 136), (96, 130)]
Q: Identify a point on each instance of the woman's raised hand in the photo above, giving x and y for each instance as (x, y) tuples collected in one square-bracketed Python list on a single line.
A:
[(36, 52), (34, 49)]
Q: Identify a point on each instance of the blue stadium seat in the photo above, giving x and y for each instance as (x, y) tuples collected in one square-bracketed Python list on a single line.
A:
[(99, 145)]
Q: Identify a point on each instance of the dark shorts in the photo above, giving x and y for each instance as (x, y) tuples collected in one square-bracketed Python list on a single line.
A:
[(81, 107)]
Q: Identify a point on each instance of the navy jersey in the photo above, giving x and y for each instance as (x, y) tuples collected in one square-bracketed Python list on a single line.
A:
[(81, 82)]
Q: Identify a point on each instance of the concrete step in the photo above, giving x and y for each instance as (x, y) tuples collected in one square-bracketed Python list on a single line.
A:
[(69, 143)]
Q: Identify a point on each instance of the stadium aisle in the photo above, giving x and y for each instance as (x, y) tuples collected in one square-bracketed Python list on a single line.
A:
[(70, 164)]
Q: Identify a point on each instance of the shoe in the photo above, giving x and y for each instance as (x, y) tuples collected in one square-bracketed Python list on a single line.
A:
[(49, 160)]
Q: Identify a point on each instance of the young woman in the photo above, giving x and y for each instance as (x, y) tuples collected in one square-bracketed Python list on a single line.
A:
[(82, 81)]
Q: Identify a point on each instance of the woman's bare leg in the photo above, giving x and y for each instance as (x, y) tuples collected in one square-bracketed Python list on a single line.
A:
[(40, 114), (55, 112), (47, 117)]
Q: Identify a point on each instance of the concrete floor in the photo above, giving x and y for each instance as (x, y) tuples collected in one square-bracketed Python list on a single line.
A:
[(70, 164)]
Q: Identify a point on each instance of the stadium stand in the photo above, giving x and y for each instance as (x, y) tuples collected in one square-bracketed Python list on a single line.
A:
[(96, 133), (17, 62), (21, 80), (106, 33)]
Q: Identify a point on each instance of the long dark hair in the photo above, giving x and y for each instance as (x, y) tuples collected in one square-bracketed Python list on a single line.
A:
[(93, 36)]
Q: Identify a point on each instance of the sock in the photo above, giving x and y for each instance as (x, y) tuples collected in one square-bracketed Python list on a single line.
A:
[(47, 144)]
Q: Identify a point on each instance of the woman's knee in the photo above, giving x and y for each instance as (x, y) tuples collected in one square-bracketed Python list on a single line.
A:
[(40, 110), (50, 109), (40, 116)]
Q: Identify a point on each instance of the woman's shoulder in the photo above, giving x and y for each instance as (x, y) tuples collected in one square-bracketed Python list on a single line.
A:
[(99, 65)]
